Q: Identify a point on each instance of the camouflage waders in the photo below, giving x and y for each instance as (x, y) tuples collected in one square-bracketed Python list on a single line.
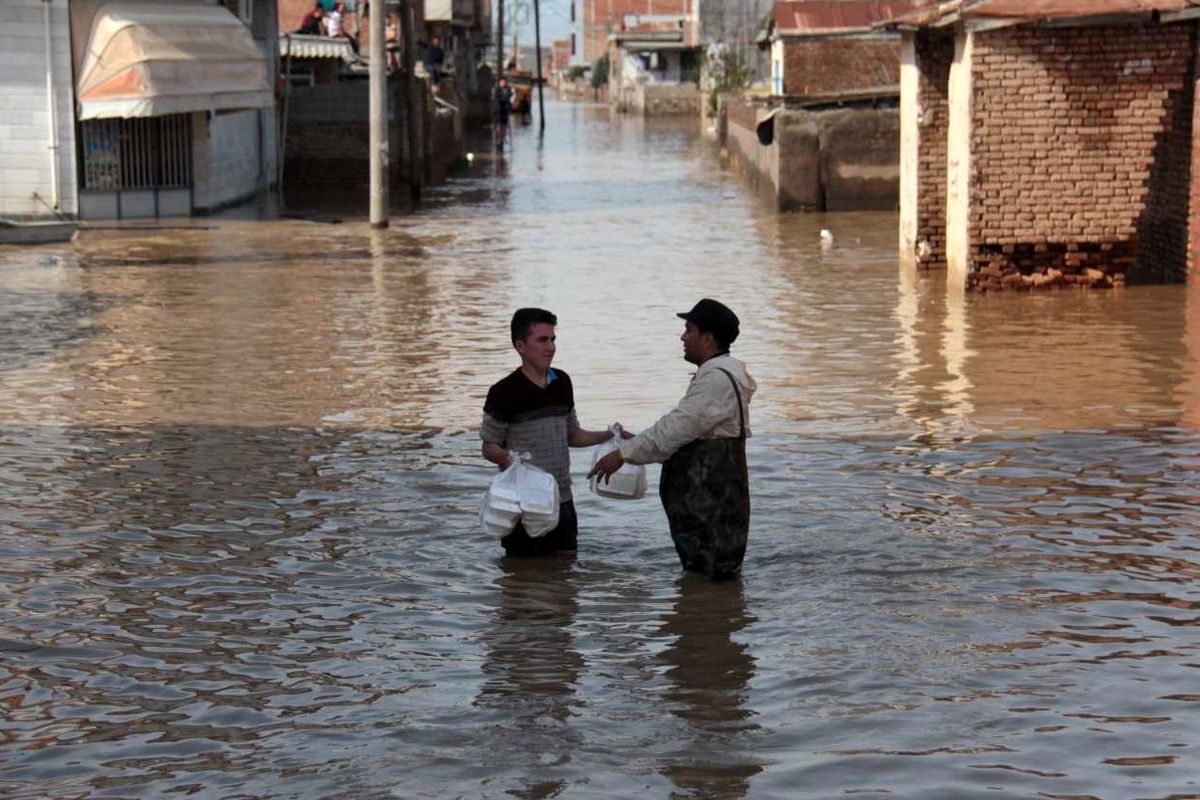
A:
[(705, 490)]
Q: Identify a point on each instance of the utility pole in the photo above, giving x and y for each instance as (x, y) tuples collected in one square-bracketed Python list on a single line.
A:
[(412, 104), (537, 49), (500, 41), (378, 108)]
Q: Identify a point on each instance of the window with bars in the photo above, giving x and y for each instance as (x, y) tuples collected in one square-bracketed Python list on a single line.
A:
[(141, 153)]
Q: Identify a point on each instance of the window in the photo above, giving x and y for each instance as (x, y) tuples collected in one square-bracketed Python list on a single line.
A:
[(139, 153)]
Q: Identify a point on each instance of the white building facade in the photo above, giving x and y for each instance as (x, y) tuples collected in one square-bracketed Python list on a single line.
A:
[(116, 109), (38, 177)]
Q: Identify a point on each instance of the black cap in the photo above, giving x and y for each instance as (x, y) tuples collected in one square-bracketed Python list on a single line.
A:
[(715, 318)]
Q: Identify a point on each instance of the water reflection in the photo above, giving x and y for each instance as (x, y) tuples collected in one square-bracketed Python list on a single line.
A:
[(530, 674), (710, 670)]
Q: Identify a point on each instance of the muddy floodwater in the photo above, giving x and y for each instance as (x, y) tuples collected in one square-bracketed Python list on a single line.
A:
[(239, 487)]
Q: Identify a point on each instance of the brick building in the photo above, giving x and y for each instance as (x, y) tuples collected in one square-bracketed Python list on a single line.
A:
[(560, 59), (603, 17), (830, 47), (1050, 142)]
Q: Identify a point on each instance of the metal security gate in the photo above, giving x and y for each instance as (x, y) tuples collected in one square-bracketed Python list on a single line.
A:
[(139, 167)]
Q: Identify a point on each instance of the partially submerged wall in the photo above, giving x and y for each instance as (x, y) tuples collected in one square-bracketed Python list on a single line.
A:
[(664, 100), (327, 155), (832, 160)]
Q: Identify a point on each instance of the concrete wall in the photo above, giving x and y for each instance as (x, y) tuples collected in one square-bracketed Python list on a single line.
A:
[(860, 158), (910, 141), (662, 100), (824, 66), (27, 162), (759, 164), (1080, 148), (326, 159), (326, 149), (834, 160), (230, 158)]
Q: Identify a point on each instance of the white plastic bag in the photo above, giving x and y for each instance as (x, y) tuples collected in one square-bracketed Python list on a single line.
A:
[(539, 500), (627, 483), (521, 493)]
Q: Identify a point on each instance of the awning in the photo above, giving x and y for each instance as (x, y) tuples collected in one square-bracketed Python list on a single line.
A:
[(149, 59), (299, 45)]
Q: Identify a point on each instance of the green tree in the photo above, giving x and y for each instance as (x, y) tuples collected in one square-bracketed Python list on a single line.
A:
[(728, 73), (600, 72)]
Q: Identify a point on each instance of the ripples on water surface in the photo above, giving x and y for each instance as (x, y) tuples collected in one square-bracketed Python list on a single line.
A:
[(239, 482)]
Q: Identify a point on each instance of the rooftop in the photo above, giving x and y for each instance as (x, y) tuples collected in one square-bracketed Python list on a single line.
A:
[(943, 13), (825, 17)]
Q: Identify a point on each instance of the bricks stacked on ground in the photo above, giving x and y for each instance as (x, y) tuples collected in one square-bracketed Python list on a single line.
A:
[(1080, 151), (935, 52), (815, 67)]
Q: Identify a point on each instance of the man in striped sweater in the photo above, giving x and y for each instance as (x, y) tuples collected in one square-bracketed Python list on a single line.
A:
[(533, 410)]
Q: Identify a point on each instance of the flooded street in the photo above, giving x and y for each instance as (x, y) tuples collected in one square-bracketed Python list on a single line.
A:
[(240, 480)]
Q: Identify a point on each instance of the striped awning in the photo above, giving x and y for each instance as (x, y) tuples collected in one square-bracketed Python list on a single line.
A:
[(299, 45)]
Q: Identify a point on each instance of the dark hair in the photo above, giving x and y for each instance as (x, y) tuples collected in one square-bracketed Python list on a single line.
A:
[(524, 319), (721, 343)]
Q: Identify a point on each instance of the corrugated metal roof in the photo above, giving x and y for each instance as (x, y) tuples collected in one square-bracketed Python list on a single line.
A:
[(830, 16), (934, 13), (1067, 9), (299, 45)]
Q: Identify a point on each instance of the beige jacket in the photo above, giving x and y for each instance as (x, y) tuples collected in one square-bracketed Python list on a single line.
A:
[(707, 411)]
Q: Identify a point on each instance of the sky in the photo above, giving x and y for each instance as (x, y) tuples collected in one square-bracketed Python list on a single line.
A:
[(556, 19)]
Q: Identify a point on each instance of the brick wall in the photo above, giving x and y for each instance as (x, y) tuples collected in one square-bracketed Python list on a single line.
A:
[(829, 66), (1163, 225), (1080, 152), (935, 52), (602, 17), (292, 11), (1193, 260)]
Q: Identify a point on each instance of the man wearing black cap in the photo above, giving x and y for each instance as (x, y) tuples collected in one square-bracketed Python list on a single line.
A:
[(701, 443)]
